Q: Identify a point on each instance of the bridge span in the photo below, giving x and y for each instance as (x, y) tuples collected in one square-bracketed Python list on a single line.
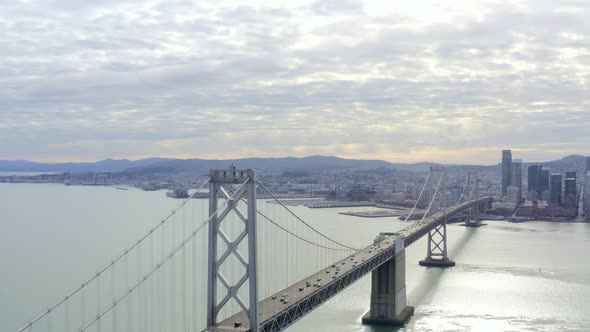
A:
[(284, 308), (134, 291)]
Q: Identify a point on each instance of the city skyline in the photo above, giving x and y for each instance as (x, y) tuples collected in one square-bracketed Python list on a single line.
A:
[(403, 82)]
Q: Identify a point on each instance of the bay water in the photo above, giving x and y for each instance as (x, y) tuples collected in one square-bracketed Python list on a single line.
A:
[(531, 276)]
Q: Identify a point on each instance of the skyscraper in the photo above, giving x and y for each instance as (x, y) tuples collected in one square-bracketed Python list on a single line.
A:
[(543, 181), (588, 164), (570, 183), (555, 188), (517, 177), (533, 178), (570, 193), (506, 170)]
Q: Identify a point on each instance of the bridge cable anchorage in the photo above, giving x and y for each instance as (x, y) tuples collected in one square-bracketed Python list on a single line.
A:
[(51, 309), (301, 220), (158, 266), (291, 233)]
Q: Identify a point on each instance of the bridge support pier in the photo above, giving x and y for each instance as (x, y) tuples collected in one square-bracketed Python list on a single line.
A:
[(473, 218), (388, 292), (436, 255)]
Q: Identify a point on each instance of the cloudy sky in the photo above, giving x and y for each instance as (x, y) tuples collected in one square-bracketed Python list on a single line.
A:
[(402, 81)]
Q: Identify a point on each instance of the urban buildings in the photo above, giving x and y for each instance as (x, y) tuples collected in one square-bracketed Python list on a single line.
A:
[(506, 170), (517, 178), (538, 180), (555, 188)]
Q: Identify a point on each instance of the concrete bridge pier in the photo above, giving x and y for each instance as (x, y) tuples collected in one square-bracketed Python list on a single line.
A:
[(388, 291)]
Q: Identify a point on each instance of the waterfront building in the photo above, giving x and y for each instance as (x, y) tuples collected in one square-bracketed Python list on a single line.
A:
[(506, 170), (517, 177), (532, 195), (503, 206), (512, 193), (555, 188), (546, 196)]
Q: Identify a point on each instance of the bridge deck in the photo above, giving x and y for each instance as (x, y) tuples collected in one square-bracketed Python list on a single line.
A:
[(304, 296), (414, 232)]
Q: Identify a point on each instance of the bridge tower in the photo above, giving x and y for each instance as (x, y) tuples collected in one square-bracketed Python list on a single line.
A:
[(473, 212), (247, 189), (436, 253)]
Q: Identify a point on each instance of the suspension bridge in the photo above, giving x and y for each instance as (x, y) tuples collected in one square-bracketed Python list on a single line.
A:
[(234, 266)]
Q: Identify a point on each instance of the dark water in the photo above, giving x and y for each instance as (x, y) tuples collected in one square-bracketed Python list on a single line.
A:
[(509, 277)]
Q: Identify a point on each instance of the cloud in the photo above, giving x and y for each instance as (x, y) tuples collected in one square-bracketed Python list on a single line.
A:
[(398, 81)]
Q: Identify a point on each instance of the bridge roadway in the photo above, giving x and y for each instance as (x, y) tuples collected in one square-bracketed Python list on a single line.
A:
[(289, 305)]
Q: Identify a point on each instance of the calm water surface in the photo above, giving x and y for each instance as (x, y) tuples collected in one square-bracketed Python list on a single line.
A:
[(509, 277)]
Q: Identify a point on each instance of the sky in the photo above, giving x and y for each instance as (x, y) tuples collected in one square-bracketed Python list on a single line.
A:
[(403, 81)]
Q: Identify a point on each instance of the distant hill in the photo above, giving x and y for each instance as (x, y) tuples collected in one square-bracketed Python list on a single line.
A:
[(107, 165), (569, 163), (304, 164), (316, 163)]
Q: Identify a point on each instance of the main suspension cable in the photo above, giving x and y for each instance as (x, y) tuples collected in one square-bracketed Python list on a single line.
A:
[(112, 263), (286, 230), (158, 266), (301, 220)]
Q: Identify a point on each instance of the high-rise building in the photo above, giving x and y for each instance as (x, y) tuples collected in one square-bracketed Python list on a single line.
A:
[(506, 170), (517, 177), (588, 164), (543, 180), (533, 178), (570, 183), (570, 193), (555, 188), (512, 195)]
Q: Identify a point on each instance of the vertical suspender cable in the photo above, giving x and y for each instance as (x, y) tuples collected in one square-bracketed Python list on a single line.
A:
[(67, 316), (113, 294), (172, 284), (139, 300), (82, 307), (98, 327), (129, 316), (183, 274), (193, 275)]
